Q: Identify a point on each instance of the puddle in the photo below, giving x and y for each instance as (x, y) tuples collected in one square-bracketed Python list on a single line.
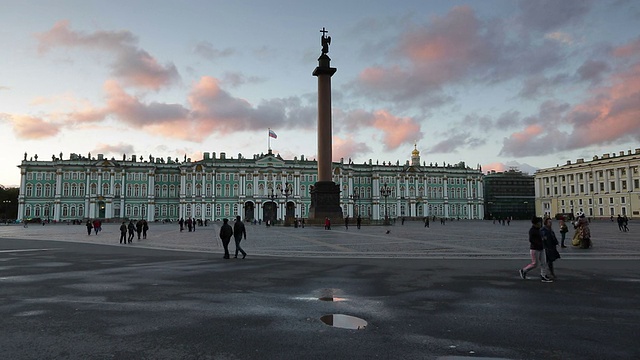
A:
[(331, 298), (344, 321), (331, 295)]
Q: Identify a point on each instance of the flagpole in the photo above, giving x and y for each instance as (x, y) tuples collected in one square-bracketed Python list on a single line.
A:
[(269, 139)]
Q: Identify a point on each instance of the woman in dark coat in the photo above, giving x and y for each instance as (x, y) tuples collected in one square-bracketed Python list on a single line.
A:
[(550, 243)]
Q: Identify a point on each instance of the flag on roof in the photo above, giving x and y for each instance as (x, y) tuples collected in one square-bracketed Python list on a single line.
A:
[(272, 134)]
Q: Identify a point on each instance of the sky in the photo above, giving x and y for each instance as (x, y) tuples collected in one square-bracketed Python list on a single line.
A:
[(501, 84)]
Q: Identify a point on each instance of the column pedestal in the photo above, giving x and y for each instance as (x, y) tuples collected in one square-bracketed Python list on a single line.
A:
[(325, 203)]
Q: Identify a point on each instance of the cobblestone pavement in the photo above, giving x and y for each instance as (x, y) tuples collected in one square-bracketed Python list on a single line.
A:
[(456, 239)]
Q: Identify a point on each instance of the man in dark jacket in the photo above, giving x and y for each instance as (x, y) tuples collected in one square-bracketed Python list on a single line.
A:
[(132, 230), (536, 249), (123, 233), (225, 235), (238, 232)]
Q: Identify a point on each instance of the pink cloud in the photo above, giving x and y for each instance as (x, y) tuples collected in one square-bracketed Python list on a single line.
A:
[(115, 150), (630, 49), (433, 55), (496, 166), (608, 116), (395, 130), (346, 148), (611, 114), (34, 128), (132, 65), (211, 109)]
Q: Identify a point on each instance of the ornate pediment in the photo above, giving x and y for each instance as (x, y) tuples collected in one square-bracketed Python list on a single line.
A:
[(270, 160), (412, 169), (105, 163)]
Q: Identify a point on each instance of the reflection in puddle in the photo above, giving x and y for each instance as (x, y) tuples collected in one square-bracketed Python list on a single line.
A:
[(329, 298), (344, 321)]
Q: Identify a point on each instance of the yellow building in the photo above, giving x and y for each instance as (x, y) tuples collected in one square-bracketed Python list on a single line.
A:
[(608, 185)]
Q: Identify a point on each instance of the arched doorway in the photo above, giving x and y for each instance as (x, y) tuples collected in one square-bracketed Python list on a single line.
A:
[(101, 209), (270, 211), (290, 213), (249, 211)]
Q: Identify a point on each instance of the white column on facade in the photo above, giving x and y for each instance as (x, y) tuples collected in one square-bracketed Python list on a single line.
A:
[(586, 182), (256, 176), (260, 214), (58, 195), (617, 179), (375, 196), (123, 193), (99, 190), (151, 192), (629, 180), (112, 183), (398, 197), (109, 206), (89, 210), (607, 189), (183, 185), (21, 195), (203, 187), (445, 194)]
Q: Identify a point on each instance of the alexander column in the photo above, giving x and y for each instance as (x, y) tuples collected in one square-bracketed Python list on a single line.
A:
[(325, 195)]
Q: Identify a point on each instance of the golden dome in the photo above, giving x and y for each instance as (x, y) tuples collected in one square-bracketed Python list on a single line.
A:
[(415, 151)]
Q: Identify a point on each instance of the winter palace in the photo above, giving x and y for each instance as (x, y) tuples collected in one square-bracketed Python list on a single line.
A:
[(265, 187)]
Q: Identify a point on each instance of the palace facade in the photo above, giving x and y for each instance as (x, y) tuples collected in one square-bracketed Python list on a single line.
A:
[(608, 185), (265, 187)]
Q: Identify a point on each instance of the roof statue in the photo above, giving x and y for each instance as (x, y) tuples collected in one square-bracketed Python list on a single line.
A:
[(325, 40)]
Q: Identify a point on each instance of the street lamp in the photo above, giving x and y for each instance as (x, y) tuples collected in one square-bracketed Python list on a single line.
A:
[(385, 191), (272, 196), (288, 190)]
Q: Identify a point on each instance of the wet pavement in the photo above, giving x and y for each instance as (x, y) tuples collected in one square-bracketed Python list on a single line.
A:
[(447, 292), (456, 239)]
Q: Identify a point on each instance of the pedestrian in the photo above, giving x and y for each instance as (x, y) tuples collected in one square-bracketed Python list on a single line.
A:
[(303, 223), (426, 222), (402, 221), (123, 233), (358, 222), (563, 232), (96, 226), (346, 222), (189, 224), (536, 250), (625, 223), (89, 227), (620, 223), (327, 223), (193, 221), (139, 228), (181, 222), (239, 231), (550, 243), (145, 228), (225, 235), (132, 230), (583, 231)]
